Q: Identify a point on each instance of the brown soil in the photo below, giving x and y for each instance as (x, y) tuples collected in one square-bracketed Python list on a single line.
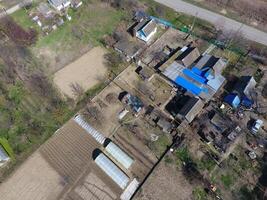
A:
[(85, 72)]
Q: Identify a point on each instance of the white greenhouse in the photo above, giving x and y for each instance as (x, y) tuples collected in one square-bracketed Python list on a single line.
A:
[(115, 173)]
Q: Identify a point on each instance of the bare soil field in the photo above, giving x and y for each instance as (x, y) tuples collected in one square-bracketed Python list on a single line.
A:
[(82, 74), (34, 180), (63, 168), (166, 183)]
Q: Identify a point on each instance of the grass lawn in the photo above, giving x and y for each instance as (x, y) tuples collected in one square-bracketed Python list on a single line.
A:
[(92, 22), (22, 18), (160, 145), (227, 180), (86, 29)]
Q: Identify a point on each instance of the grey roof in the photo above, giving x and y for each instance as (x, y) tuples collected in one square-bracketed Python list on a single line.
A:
[(44, 9), (119, 155), (188, 56), (191, 109), (174, 70), (165, 125), (206, 61), (112, 170), (209, 61), (140, 25), (3, 155), (245, 86), (58, 2), (130, 49), (147, 25)]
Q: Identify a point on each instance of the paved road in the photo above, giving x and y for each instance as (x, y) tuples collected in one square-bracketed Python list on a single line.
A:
[(10, 10), (247, 31)]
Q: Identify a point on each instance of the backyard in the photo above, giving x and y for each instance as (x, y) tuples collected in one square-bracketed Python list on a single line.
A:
[(89, 24)]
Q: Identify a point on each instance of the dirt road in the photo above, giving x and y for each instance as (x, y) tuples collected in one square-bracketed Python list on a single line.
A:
[(229, 24)]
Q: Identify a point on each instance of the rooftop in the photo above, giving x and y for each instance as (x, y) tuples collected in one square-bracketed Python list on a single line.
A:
[(57, 3), (128, 48), (191, 109), (245, 86), (203, 82), (188, 56)]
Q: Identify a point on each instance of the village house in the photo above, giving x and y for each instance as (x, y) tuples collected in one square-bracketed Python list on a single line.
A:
[(202, 77), (242, 93), (145, 30), (60, 4), (185, 107)]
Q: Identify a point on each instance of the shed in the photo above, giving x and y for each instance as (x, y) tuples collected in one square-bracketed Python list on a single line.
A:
[(165, 125), (188, 56), (233, 100)]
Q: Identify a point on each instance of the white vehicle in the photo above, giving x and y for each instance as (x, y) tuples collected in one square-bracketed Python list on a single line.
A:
[(256, 126)]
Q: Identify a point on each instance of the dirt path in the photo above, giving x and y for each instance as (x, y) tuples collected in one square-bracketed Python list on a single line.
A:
[(82, 74)]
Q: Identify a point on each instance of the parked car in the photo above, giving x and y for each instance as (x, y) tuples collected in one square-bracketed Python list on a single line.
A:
[(256, 126)]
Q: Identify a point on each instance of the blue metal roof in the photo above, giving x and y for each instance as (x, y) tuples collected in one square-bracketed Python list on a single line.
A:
[(197, 71), (233, 100), (188, 85), (194, 76)]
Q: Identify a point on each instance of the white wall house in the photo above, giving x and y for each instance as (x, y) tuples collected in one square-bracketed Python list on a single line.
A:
[(146, 30), (60, 4)]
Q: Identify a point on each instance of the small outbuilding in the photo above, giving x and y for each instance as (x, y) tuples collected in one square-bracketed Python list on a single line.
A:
[(232, 100)]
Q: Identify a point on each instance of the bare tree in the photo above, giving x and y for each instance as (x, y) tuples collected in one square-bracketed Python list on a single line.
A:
[(93, 114), (77, 89)]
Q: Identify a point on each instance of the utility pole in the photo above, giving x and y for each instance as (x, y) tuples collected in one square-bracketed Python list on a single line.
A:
[(194, 22)]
